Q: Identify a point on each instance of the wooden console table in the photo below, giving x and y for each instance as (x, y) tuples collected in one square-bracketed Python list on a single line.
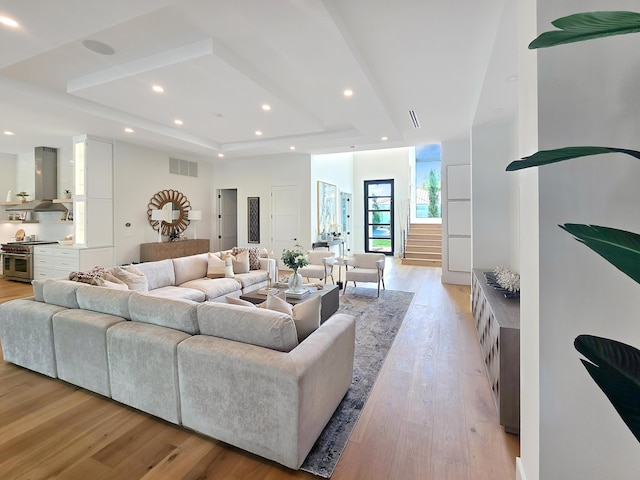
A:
[(497, 321), (150, 252)]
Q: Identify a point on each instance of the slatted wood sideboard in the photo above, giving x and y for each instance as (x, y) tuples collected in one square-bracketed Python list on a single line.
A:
[(150, 252)]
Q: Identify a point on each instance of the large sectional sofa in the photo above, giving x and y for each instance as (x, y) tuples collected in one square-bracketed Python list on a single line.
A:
[(235, 373)]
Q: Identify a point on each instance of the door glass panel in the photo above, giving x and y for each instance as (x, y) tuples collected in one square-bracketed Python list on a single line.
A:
[(379, 216)]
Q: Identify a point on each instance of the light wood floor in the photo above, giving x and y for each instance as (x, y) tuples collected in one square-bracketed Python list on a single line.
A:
[(429, 416)]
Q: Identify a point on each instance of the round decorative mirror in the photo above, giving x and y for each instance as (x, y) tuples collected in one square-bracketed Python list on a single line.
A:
[(174, 207)]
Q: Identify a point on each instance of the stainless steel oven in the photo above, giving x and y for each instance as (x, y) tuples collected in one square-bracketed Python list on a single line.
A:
[(17, 260), (17, 266)]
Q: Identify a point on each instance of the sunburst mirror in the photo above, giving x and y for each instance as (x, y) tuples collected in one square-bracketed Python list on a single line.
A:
[(175, 206)]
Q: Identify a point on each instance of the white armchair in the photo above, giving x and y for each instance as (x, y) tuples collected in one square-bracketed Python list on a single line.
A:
[(320, 265), (365, 267)]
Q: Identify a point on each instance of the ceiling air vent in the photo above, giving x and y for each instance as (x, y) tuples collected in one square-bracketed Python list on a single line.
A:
[(183, 167), (414, 119)]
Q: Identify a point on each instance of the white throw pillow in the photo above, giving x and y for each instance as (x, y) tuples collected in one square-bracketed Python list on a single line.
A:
[(240, 262), (133, 277), (306, 315), (238, 301), (219, 268)]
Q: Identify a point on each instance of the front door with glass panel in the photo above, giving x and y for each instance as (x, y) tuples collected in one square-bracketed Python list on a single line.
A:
[(378, 216)]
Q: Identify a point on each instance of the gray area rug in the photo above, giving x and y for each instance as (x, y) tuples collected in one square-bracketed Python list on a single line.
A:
[(377, 322)]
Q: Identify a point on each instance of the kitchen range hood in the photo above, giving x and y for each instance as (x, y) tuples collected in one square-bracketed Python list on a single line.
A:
[(46, 186)]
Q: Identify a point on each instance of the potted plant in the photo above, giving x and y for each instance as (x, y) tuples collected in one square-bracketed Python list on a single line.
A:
[(67, 194), (295, 259), (23, 196), (614, 366)]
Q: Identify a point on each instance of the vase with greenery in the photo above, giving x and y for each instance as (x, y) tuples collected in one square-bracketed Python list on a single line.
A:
[(23, 196), (295, 259), (613, 365)]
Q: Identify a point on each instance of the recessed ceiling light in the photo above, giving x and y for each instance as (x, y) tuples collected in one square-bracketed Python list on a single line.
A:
[(7, 132), (9, 22), (258, 132), (128, 130), (177, 121), (511, 78), (98, 47), (384, 139), (157, 89), (221, 155), (348, 92), (292, 147), (266, 107)]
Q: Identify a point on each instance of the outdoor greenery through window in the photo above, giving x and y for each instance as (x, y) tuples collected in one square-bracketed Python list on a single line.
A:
[(428, 181)]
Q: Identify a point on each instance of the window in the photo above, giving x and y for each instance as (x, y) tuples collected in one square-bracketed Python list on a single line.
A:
[(378, 216), (428, 187)]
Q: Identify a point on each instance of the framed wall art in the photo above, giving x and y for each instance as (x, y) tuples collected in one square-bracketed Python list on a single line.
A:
[(327, 206), (253, 216)]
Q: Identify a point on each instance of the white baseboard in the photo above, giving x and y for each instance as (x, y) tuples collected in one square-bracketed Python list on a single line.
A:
[(520, 475)]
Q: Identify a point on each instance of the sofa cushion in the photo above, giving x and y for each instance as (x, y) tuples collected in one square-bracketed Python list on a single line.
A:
[(133, 277), (178, 293), (177, 314), (62, 292), (109, 301), (254, 256), (159, 274), (37, 289), (218, 268), (255, 326), (109, 281), (252, 277), (191, 267), (213, 287)]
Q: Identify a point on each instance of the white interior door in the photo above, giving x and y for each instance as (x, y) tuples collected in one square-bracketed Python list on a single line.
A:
[(285, 218), (227, 218)]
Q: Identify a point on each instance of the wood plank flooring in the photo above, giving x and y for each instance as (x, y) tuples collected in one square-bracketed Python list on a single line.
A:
[(430, 415)]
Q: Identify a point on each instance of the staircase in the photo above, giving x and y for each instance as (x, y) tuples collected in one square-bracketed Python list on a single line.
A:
[(424, 245)]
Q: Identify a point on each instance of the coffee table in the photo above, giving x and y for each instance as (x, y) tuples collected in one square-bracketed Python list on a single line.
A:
[(330, 299)]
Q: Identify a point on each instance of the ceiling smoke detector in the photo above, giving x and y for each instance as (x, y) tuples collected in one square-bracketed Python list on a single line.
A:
[(414, 119)]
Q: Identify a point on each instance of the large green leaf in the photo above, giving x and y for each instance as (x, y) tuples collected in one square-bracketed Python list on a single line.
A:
[(545, 157), (615, 367), (586, 26), (618, 247)]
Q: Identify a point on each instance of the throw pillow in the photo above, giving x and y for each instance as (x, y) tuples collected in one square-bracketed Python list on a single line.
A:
[(254, 256), (238, 301), (240, 262), (133, 277), (219, 268), (103, 282), (306, 315)]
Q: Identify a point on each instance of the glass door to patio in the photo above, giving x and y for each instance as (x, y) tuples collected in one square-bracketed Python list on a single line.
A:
[(378, 216)]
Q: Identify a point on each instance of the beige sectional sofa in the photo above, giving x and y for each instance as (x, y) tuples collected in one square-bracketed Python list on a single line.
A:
[(186, 278), (235, 373)]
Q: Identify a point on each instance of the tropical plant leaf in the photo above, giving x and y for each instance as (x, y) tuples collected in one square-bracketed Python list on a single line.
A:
[(618, 247), (615, 367), (587, 26), (545, 157)]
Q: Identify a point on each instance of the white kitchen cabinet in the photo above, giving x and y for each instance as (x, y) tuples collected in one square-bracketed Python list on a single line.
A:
[(55, 261), (93, 196)]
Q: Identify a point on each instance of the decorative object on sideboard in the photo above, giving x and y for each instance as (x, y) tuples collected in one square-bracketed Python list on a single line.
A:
[(9, 196), (176, 207), (195, 216), (505, 281), (23, 196), (67, 194)]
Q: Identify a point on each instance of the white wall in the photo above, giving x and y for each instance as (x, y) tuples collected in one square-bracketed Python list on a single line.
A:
[(454, 152), (335, 168), (587, 95), (528, 465), (392, 163), (494, 146), (139, 173), (254, 177)]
